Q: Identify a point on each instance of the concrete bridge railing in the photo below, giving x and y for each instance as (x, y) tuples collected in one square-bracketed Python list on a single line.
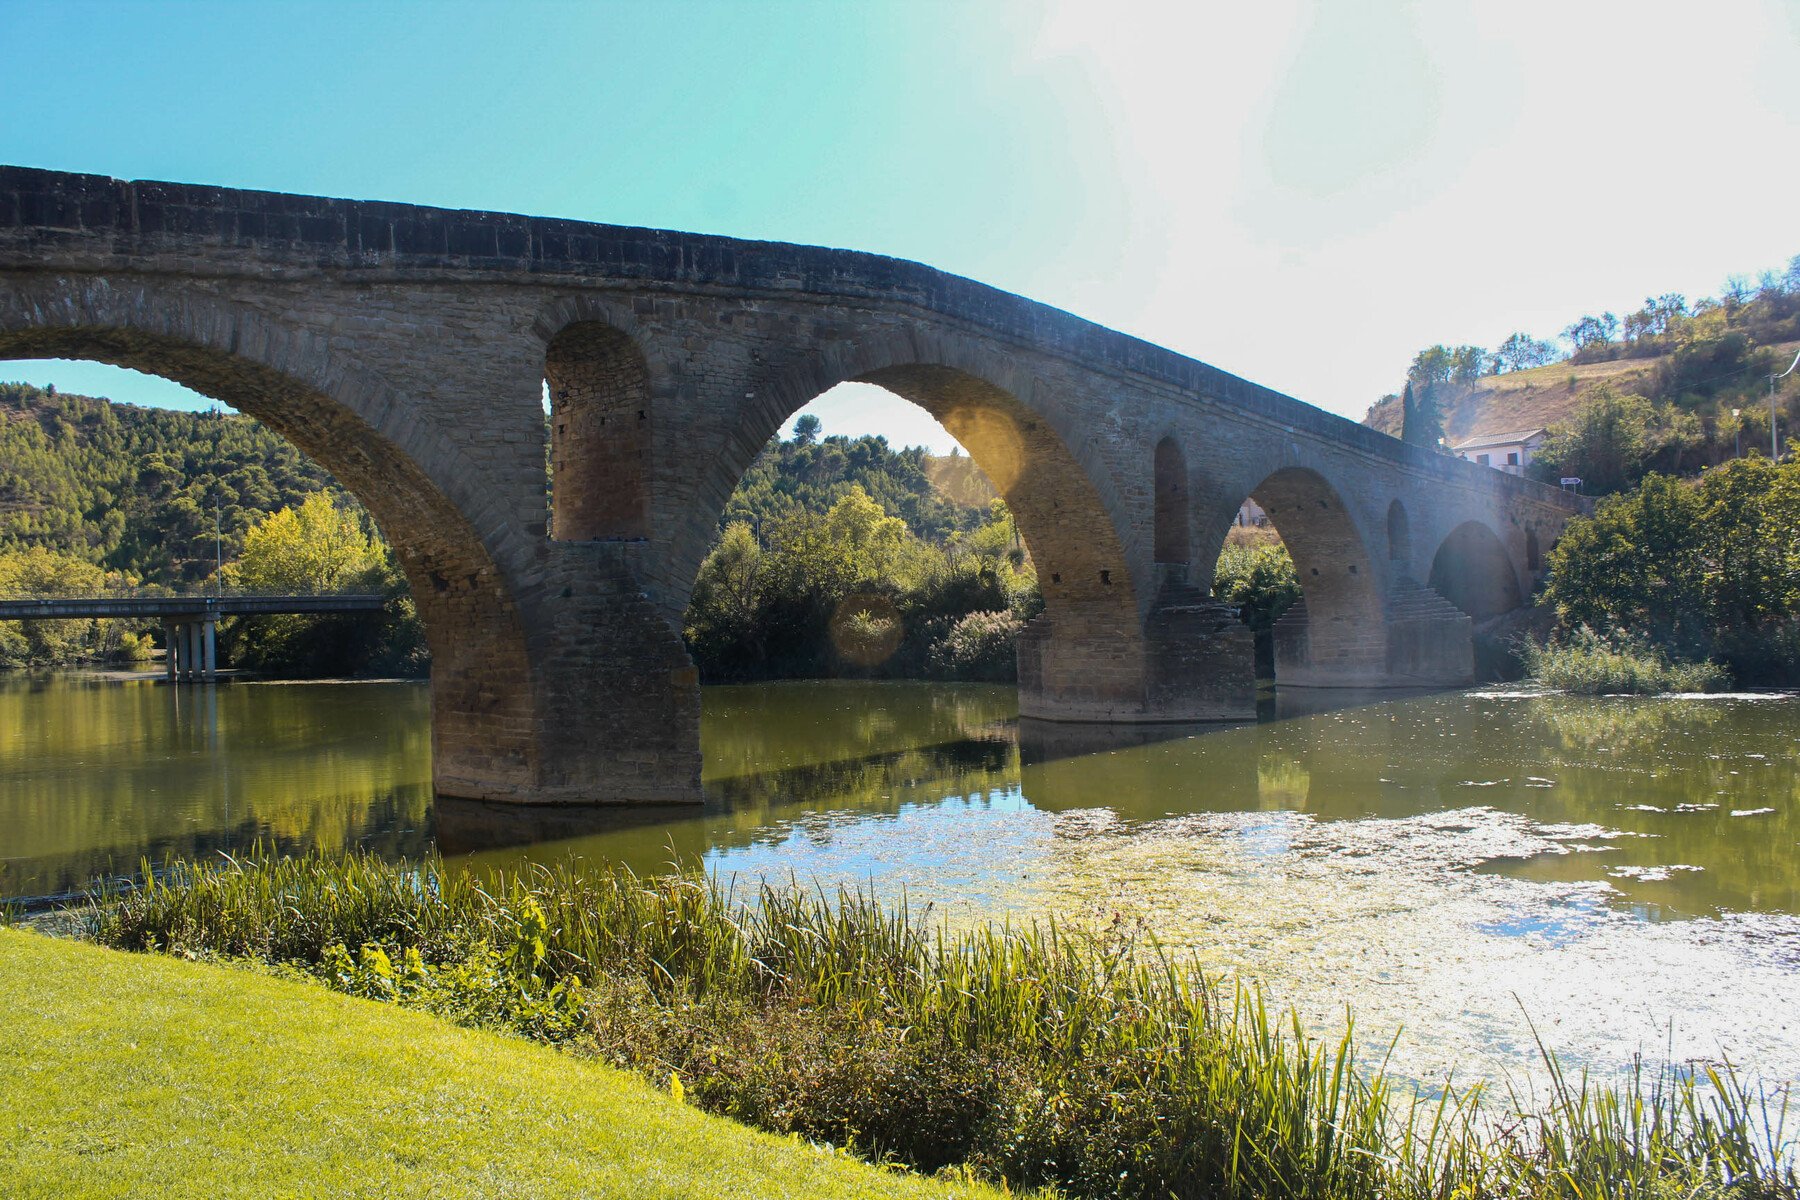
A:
[(407, 350)]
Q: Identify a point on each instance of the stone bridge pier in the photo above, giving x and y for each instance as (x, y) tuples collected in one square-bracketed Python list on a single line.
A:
[(546, 419)]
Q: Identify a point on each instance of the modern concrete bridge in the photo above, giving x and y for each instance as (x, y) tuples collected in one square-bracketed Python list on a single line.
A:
[(406, 350), (190, 623)]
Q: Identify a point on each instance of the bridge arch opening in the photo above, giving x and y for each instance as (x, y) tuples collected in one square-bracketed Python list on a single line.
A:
[(1473, 571), (471, 626), (1173, 547), (598, 386), (1053, 527), (1399, 535), (1328, 612)]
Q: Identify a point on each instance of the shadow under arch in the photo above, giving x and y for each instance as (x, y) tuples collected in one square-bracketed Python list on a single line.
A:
[(332, 412), (1473, 571), (1334, 633)]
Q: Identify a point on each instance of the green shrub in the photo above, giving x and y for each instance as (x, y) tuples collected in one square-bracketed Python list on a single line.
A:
[(1033, 1055), (979, 646), (1594, 664)]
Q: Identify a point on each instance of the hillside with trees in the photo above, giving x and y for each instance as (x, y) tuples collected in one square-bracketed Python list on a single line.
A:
[(1674, 386), (137, 490)]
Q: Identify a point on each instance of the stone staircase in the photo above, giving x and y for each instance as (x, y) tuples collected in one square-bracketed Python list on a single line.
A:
[(1429, 639)]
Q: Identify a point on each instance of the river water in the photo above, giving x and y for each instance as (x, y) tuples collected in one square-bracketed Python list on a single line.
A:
[(1624, 874)]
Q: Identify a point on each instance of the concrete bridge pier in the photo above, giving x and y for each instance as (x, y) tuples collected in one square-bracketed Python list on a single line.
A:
[(192, 654)]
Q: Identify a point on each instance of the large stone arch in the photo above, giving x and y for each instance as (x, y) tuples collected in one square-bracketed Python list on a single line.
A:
[(1472, 570), (373, 441), (1084, 658), (1059, 489)]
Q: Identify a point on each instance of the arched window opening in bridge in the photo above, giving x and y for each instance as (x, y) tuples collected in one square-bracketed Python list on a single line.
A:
[(597, 384), (1171, 534), (1399, 535)]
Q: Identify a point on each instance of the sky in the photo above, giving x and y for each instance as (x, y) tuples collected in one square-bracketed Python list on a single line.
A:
[(1304, 194)]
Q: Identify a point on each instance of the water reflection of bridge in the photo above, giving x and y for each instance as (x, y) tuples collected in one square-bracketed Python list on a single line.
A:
[(189, 622)]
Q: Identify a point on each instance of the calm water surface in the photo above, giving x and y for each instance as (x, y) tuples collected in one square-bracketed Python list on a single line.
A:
[(1625, 872)]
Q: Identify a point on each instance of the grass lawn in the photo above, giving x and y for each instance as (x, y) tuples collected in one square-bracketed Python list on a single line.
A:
[(135, 1075)]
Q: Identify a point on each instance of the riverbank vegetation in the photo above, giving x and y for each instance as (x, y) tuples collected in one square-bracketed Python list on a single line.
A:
[(1591, 664), (854, 591), (1037, 1056), (1683, 572), (134, 1075)]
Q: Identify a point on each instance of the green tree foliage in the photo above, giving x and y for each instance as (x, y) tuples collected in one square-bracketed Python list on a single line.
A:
[(1710, 568), (810, 474), (1521, 351), (138, 489), (1615, 438), (1259, 580), (1422, 420), (853, 590), (322, 546), (1606, 443), (36, 572)]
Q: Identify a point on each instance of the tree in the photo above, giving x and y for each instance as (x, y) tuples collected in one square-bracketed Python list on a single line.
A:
[(1468, 363), (321, 546), (1431, 367), (806, 429), (1521, 351), (1422, 421), (317, 547), (1592, 331), (1634, 565), (1606, 442)]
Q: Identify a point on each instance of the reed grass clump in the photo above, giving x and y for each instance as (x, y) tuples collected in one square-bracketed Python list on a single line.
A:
[(1038, 1055), (1594, 664)]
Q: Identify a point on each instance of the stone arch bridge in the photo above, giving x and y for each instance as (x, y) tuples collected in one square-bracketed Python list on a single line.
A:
[(407, 349)]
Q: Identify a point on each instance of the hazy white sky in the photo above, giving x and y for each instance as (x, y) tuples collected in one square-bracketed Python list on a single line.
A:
[(1304, 194)]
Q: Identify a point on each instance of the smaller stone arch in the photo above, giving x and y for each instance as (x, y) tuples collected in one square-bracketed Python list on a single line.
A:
[(1399, 534), (1172, 541), (1534, 558), (600, 422), (1472, 570), (1332, 635)]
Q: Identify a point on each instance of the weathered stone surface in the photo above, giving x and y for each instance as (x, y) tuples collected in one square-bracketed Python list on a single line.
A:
[(407, 349)]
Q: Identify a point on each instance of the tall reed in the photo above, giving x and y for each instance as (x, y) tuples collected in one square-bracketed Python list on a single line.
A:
[(1037, 1054)]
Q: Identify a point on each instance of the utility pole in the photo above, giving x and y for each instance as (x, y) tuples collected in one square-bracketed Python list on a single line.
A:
[(218, 548)]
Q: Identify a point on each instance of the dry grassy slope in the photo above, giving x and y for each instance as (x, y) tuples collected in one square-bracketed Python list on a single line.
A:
[(1534, 399)]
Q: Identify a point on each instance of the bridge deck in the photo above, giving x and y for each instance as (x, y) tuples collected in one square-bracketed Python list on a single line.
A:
[(183, 608)]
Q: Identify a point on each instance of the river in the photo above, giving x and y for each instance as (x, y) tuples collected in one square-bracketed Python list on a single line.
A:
[(1624, 874)]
